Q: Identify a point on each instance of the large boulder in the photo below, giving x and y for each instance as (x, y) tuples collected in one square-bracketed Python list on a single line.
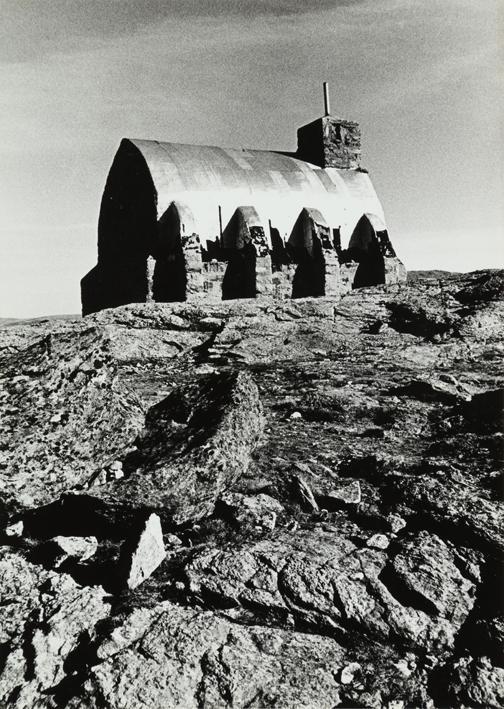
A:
[(195, 445)]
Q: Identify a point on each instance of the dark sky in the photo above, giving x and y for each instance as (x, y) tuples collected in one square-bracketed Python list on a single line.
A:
[(421, 76)]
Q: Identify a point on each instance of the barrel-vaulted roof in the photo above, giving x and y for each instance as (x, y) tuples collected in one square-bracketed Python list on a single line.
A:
[(277, 185)]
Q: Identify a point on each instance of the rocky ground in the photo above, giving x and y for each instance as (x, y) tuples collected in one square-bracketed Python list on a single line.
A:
[(256, 505)]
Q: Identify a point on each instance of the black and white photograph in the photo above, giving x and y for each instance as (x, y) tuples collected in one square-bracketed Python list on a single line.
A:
[(251, 354)]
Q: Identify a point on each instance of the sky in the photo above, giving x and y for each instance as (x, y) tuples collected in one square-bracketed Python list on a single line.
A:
[(422, 77)]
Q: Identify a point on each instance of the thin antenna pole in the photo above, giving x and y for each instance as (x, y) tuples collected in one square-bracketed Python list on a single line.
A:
[(327, 106), (220, 222)]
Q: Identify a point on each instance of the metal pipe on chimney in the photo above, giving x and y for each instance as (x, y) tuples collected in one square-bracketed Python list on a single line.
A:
[(327, 106), (220, 225)]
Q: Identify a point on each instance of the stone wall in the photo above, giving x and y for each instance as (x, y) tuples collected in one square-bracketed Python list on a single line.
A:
[(310, 143), (245, 262), (347, 275), (395, 271), (205, 280), (193, 263), (213, 276), (342, 143), (283, 280), (109, 285), (263, 273), (330, 142), (331, 273)]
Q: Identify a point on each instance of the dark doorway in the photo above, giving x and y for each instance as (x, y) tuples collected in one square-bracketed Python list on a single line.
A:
[(170, 276), (279, 253), (240, 277), (309, 279)]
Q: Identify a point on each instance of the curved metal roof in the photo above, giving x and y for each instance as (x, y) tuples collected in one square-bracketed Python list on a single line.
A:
[(201, 167), (278, 185)]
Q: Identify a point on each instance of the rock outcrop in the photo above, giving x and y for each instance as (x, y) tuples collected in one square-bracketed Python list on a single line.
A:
[(256, 504)]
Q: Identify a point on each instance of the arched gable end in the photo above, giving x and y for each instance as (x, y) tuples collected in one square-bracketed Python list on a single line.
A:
[(178, 268), (312, 249), (309, 223), (245, 230), (175, 225), (128, 212), (126, 234)]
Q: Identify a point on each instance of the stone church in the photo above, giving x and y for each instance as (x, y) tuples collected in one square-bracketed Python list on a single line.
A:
[(198, 223)]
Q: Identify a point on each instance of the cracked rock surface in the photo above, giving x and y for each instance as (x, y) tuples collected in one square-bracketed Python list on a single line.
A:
[(326, 482)]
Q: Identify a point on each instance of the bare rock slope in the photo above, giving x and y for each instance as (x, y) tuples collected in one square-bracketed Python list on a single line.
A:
[(328, 479)]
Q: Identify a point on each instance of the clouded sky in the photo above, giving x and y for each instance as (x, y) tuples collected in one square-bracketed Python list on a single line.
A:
[(421, 77)]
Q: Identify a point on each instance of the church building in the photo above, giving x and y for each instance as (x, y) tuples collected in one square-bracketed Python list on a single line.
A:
[(204, 224)]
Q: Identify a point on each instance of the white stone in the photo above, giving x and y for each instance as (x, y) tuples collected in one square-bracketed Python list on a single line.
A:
[(173, 541), (347, 492), (396, 523), (403, 667), (81, 548), (14, 530), (116, 470), (378, 541), (143, 553), (348, 672)]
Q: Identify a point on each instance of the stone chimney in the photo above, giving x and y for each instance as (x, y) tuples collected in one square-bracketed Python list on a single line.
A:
[(330, 141)]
